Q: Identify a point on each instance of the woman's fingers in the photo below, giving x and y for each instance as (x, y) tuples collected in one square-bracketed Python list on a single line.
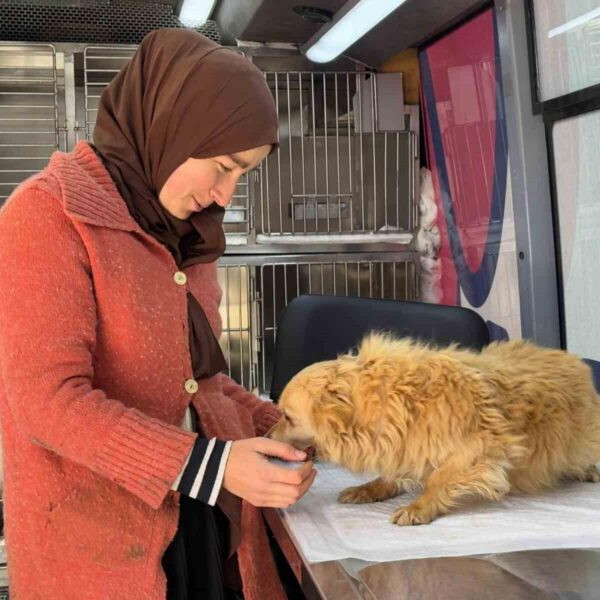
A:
[(307, 483), (276, 502), (288, 494), (278, 449), (290, 476)]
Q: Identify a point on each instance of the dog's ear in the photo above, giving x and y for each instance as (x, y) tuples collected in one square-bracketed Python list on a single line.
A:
[(334, 407), (331, 419), (338, 391)]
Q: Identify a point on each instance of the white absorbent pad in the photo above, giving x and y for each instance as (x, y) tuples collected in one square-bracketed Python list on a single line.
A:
[(567, 517)]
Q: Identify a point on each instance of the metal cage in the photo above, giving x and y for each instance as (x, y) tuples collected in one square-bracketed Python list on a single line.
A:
[(340, 168), (256, 289), (29, 105)]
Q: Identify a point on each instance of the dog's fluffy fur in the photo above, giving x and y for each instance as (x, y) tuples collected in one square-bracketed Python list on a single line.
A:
[(459, 423)]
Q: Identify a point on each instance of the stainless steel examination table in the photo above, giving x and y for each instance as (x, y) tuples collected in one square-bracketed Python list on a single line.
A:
[(567, 574)]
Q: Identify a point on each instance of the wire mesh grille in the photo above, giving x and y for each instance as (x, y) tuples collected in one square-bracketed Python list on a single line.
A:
[(89, 21), (335, 172), (29, 130)]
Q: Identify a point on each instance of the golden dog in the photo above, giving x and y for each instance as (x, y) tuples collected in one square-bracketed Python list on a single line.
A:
[(459, 423)]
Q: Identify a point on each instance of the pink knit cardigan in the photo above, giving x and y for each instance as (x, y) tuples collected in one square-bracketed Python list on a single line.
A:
[(93, 359)]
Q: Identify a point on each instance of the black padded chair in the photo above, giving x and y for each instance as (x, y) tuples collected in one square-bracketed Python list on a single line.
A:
[(315, 328)]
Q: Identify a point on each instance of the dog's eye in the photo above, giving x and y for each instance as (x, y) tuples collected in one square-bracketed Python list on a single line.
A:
[(287, 418)]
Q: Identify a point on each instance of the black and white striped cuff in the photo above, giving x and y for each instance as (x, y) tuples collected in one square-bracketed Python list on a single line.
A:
[(203, 471)]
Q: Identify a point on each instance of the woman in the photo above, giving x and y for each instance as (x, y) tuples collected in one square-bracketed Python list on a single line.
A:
[(121, 478)]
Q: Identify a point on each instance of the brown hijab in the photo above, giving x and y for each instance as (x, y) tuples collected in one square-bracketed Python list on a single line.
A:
[(181, 96)]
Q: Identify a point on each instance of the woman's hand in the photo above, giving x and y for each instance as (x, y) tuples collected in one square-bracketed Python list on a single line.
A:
[(251, 476)]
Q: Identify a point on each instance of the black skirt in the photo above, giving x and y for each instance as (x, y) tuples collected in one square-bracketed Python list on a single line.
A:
[(195, 559)]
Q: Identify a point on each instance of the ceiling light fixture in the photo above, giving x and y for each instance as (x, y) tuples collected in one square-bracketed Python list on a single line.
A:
[(194, 13), (351, 22)]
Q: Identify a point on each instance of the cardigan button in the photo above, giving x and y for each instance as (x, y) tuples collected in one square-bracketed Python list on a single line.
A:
[(180, 278), (191, 386)]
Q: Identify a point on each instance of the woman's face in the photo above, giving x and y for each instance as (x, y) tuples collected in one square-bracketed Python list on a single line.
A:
[(199, 182)]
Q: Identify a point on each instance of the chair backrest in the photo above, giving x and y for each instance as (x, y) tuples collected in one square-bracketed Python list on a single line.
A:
[(315, 328), (595, 366)]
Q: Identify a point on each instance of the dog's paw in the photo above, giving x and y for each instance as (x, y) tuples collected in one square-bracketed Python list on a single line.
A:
[(410, 515), (592, 474), (373, 491), (357, 495)]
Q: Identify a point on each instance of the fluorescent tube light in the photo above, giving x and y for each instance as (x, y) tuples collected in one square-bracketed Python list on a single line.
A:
[(353, 21), (194, 13), (573, 23)]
